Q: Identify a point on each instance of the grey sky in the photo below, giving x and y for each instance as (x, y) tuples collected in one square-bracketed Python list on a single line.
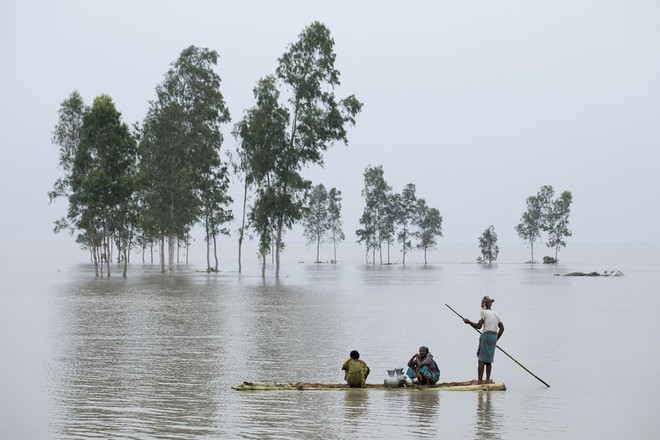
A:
[(478, 103)]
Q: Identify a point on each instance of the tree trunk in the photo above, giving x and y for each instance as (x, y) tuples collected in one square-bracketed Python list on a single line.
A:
[(92, 243), (263, 266), (215, 251), (278, 240), (318, 248), (172, 247), (95, 256), (242, 230), (208, 246), (187, 247), (334, 247), (162, 253), (125, 261), (108, 255)]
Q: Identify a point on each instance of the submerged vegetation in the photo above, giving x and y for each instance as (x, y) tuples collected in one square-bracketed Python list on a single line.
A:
[(549, 215), (147, 186)]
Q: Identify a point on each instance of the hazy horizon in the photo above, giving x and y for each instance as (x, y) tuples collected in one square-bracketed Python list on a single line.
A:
[(478, 104)]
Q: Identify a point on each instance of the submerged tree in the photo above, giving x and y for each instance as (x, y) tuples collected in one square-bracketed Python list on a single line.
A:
[(309, 122), (262, 133), (180, 146), (317, 119), (322, 219), (334, 220), (533, 219), (429, 226), (374, 220), (407, 215), (488, 246), (546, 214), (103, 183), (316, 220), (556, 224)]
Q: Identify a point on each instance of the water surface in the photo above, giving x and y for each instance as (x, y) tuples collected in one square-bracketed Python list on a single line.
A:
[(155, 356)]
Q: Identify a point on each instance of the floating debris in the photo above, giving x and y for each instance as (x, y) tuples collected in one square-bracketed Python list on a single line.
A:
[(607, 273)]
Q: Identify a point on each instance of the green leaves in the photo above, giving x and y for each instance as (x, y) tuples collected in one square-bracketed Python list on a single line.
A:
[(184, 179), (546, 214), (296, 118), (488, 245)]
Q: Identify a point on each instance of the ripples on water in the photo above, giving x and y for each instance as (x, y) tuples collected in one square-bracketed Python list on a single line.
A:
[(155, 356)]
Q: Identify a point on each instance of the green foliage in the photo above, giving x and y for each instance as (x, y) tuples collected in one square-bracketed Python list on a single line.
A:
[(334, 219), (557, 222), (429, 226), (546, 214), (322, 218), (549, 260), (375, 218), (316, 221), (182, 174), (98, 155), (67, 135), (488, 246), (279, 140), (407, 214)]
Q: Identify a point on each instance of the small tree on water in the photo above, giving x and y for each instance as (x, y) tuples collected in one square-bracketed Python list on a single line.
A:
[(488, 245)]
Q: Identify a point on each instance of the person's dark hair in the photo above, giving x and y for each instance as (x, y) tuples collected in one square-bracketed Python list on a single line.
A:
[(355, 354)]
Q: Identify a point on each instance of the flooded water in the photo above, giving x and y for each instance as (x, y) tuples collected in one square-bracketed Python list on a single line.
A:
[(155, 356)]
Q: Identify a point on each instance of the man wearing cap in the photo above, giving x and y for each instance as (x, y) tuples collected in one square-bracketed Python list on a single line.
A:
[(492, 331)]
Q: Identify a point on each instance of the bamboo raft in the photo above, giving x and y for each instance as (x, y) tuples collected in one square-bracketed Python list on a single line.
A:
[(311, 386)]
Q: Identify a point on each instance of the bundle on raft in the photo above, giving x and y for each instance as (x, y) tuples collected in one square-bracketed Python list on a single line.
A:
[(310, 386)]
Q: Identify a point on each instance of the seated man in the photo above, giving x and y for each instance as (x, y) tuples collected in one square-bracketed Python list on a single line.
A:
[(423, 368), (356, 370)]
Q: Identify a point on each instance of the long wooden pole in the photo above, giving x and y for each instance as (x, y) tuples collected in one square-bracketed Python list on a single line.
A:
[(502, 350)]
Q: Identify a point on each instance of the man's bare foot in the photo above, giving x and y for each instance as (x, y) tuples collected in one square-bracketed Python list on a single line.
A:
[(490, 381), (479, 382)]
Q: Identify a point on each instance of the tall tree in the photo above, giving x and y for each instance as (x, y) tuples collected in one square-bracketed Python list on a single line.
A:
[(334, 220), (367, 235), (376, 193), (407, 212), (103, 181), (317, 119), (488, 246), (67, 135), (391, 217), (429, 227), (316, 220), (240, 167), (214, 201), (556, 224), (262, 134), (180, 147), (533, 220)]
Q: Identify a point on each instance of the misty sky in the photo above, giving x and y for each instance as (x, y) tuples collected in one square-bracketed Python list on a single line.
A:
[(478, 103)]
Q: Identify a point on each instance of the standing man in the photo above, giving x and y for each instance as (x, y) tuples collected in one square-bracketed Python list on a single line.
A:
[(492, 330)]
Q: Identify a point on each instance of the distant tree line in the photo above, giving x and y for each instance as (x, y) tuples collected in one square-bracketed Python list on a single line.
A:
[(390, 218), (545, 214), (150, 185), (147, 186)]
